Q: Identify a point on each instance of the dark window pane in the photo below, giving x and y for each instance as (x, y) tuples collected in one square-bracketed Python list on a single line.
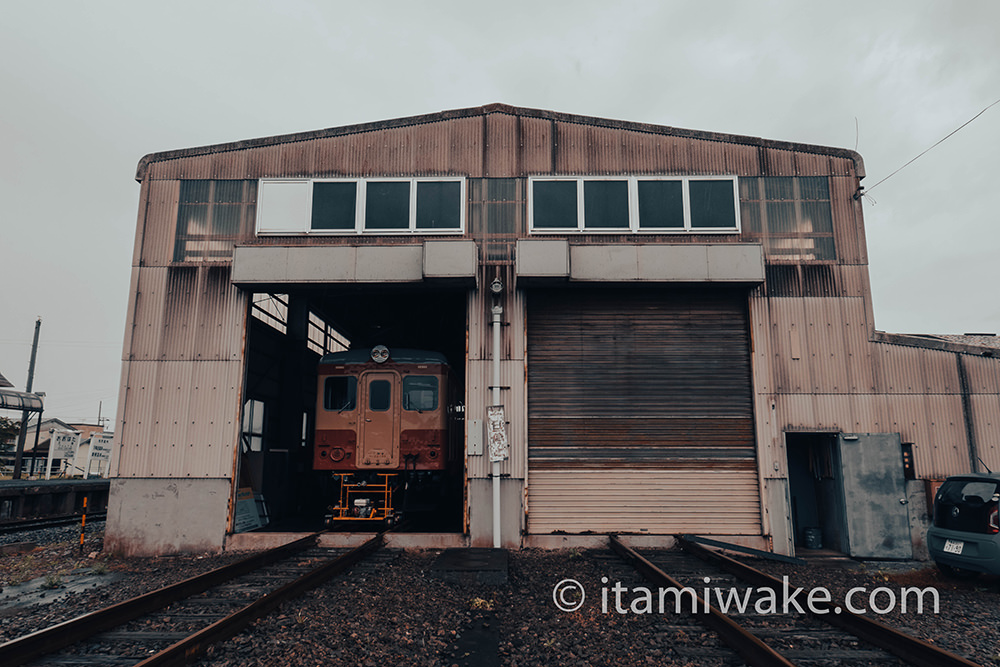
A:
[(777, 188), (420, 392), (387, 206), (226, 219), (814, 187), (816, 217), (661, 204), (229, 191), (379, 395), (439, 205), (554, 204), (195, 192), (501, 189), (750, 189), (334, 205), (825, 248), (781, 217), (750, 217), (605, 204), (192, 219), (712, 204), (340, 393)]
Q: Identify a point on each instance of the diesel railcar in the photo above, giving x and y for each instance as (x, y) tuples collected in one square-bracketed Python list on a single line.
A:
[(384, 430)]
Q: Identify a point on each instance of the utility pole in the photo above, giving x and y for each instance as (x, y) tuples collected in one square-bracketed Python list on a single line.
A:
[(24, 415)]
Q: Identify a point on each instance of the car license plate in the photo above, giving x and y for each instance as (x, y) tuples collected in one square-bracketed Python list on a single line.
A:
[(953, 546)]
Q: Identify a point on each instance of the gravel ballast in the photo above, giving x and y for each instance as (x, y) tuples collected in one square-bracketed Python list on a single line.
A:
[(394, 611)]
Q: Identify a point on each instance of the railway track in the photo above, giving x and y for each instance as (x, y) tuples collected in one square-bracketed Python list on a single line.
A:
[(831, 636), (27, 525), (176, 624)]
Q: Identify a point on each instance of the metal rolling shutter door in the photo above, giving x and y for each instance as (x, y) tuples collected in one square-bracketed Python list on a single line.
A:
[(640, 412)]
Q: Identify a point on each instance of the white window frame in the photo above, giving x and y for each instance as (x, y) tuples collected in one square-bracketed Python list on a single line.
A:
[(633, 206), (306, 202)]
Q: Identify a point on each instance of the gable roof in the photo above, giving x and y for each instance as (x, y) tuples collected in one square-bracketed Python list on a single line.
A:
[(4, 382), (486, 110)]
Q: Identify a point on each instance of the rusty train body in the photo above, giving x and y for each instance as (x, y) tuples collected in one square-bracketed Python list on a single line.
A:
[(385, 430)]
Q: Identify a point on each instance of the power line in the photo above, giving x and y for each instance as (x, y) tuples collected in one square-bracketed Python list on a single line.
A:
[(866, 191)]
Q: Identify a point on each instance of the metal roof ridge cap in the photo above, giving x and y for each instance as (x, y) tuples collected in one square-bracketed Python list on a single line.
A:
[(488, 109), (294, 137), (930, 342)]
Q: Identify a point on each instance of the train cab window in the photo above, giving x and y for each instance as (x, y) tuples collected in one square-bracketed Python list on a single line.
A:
[(340, 393), (420, 392), (379, 395)]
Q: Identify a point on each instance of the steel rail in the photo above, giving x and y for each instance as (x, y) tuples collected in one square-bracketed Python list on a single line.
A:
[(29, 647), (914, 651), (18, 525), (187, 650), (751, 648)]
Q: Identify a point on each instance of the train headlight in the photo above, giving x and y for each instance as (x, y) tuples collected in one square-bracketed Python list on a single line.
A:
[(380, 354)]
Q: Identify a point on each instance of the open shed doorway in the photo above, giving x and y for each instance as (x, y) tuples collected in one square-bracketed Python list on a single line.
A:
[(277, 486), (816, 491)]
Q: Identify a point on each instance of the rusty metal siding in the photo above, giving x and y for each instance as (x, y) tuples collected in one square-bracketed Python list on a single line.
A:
[(640, 377), (479, 377), (706, 502), (501, 145), (187, 313), (983, 374), (181, 419), (183, 373), (160, 224), (445, 148), (912, 370), (845, 216), (985, 409), (830, 338), (140, 224), (933, 423)]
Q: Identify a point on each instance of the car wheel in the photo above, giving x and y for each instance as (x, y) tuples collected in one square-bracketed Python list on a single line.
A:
[(956, 572)]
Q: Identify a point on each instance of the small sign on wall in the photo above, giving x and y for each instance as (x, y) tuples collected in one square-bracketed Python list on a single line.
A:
[(496, 433)]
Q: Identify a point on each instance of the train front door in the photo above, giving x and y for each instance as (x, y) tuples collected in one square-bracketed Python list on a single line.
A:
[(378, 445)]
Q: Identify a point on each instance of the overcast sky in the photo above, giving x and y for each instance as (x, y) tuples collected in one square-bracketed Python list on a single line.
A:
[(89, 88)]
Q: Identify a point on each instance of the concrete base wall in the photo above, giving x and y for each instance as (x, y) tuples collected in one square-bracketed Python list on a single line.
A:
[(152, 517), (481, 512)]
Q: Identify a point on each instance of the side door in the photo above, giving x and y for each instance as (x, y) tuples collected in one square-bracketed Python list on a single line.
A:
[(378, 444), (878, 524)]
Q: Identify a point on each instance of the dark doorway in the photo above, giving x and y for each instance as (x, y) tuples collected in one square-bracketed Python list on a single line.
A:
[(816, 491)]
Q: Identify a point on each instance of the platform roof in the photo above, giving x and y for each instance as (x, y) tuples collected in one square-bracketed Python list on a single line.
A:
[(20, 400)]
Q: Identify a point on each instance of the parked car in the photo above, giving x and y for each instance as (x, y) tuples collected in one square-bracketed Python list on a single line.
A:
[(964, 538)]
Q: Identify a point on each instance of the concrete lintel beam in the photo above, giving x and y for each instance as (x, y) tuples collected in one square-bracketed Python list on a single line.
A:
[(542, 258), (450, 259), (319, 264), (689, 262)]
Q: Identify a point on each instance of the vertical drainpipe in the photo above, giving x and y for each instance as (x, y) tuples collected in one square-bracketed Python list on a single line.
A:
[(497, 311), (970, 431)]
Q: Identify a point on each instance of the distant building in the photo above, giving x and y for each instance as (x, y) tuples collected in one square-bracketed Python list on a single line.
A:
[(35, 456), (688, 343)]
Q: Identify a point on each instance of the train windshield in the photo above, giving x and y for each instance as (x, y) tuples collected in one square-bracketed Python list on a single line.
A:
[(420, 392), (340, 393)]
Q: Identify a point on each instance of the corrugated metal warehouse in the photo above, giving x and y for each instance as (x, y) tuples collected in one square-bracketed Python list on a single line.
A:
[(686, 336)]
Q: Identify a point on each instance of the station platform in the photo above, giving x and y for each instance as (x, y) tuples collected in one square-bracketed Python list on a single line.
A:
[(29, 499)]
